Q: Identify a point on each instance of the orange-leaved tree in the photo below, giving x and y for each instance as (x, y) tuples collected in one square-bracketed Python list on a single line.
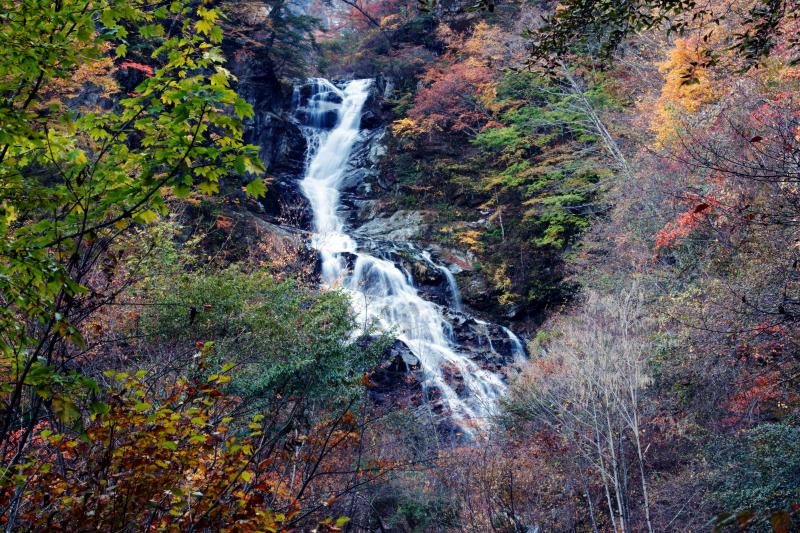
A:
[(176, 465)]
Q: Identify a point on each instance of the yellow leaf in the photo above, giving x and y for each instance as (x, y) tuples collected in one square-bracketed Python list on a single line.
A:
[(146, 217)]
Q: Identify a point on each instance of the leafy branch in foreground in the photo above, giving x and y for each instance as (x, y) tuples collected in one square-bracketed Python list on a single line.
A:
[(178, 465), (77, 173)]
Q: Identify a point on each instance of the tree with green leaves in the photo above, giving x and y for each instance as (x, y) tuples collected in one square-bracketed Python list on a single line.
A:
[(547, 150), (77, 174), (285, 339)]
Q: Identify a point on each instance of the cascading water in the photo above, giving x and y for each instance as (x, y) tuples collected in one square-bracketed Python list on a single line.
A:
[(380, 291), (452, 286)]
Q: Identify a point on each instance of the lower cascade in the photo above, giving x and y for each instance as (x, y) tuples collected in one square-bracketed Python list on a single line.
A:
[(383, 293)]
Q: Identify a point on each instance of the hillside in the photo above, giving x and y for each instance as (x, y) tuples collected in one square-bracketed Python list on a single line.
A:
[(394, 266)]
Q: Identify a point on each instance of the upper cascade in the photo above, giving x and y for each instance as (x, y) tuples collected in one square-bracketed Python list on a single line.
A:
[(382, 293)]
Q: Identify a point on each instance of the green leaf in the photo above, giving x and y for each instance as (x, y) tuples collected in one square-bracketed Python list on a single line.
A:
[(181, 191), (208, 187), (203, 26), (65, 409), (219, 80), (146, 217), (215, 55), (151, 30), (108, 18), (39, 374), (100, 409), (242, 109), (256, 188), (216, 35)]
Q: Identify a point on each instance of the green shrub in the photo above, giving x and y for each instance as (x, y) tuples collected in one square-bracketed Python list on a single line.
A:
[(283, 337), (757, 471), (419, 516)]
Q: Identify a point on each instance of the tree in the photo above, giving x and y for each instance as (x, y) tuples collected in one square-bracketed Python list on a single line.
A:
[(452, 99), (589, 390), (76, 178), (457, 93), (545, 148), (175, 465), (753, 477), (736, 199), (602, 26), (139, 465), (275, 30), (284, 339)]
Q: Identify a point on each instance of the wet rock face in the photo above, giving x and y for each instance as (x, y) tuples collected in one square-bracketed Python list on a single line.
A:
[(308, 96), (401, 226), (283, 150), (488, 344), (370, 120), (275, 128), (281, 144), (326, 121), (475, 290), (365, 158), (373, 116), (376, 112), (307, 90), (398, 381), (428, 278)]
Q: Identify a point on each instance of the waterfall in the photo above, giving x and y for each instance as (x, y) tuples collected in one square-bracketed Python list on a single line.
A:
[(380, 292), (519, 349), (452, 286)]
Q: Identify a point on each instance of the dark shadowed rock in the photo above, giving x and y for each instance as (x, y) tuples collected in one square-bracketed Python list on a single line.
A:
[(371, 120), (398, 379)]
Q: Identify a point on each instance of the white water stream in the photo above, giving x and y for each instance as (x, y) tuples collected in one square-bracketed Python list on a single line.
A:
[(380, 291)]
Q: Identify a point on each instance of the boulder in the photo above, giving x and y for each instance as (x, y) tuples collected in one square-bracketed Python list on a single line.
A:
[(400, 226), (398, 380), (475, 289)]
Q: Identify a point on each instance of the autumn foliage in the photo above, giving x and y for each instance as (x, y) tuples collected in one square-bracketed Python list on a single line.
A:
[(172, 466), (452, 101), (457, 94), (628, 197)]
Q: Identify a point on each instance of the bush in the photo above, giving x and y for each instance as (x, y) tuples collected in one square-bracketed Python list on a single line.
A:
[(283, 338), (758, 472)]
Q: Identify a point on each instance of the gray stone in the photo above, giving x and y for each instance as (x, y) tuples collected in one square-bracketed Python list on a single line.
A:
[(400, 226)]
